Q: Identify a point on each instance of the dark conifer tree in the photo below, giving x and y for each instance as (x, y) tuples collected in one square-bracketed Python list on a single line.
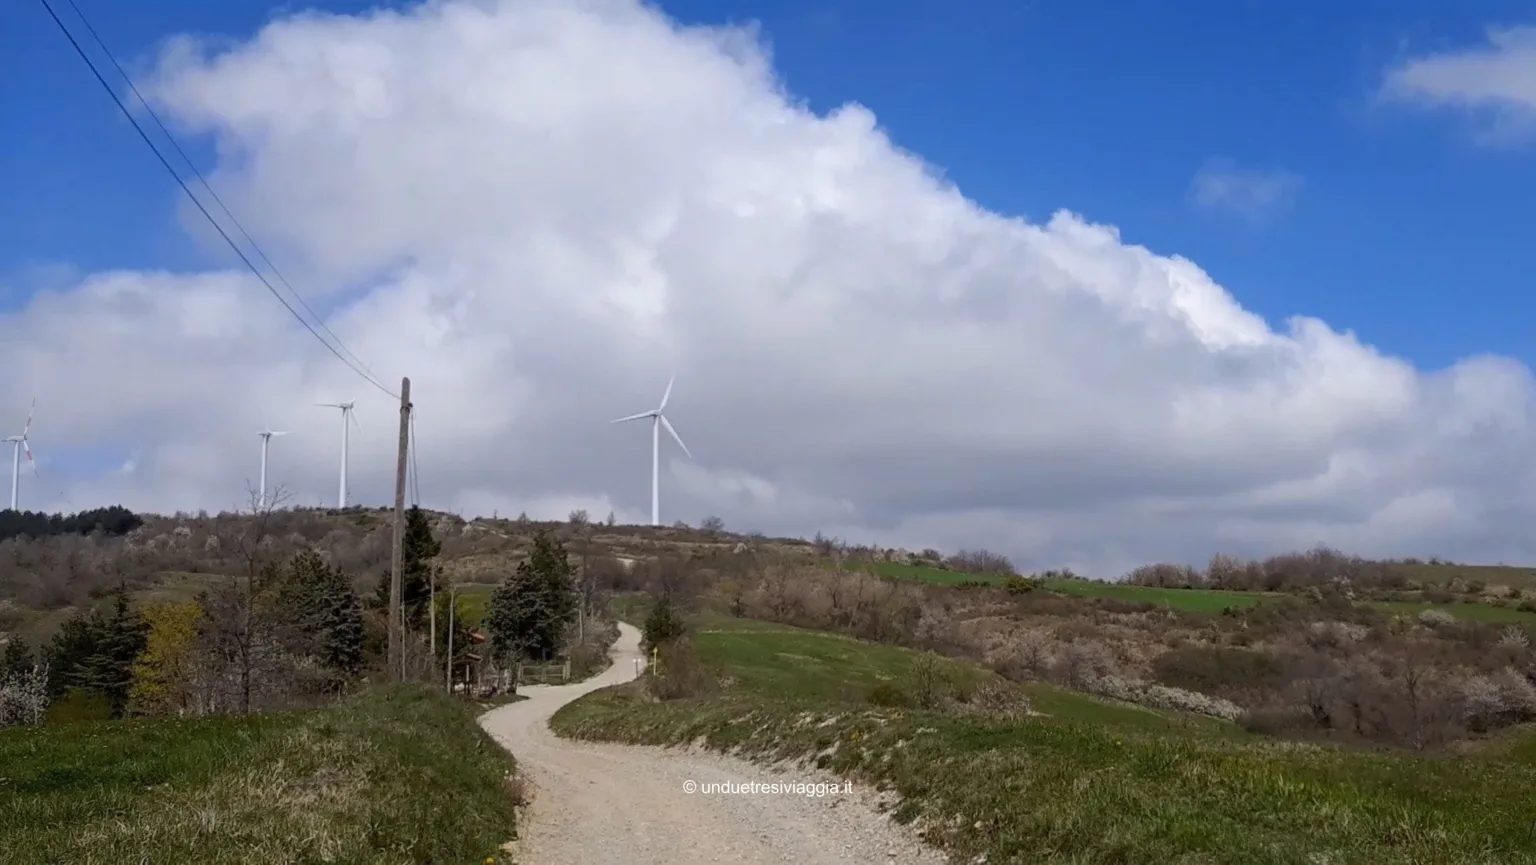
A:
[(17, 660), (325, 614), (532, 609), (418, 550), (95, 652)]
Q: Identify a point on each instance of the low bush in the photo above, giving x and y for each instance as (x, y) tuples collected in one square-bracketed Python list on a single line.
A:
[(1020, 585), (1155, 696), (79, 706), (663, 624), (679, 674), (889, 696), (1216, 669)]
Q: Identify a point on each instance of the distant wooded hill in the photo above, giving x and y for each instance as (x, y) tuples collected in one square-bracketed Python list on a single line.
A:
[(115, 520)]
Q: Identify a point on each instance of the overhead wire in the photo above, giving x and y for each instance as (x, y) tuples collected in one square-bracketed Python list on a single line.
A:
[(202, 179), (415, 471), (357, 367)]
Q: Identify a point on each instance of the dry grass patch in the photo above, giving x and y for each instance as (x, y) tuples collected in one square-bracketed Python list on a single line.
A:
[(358, 782)]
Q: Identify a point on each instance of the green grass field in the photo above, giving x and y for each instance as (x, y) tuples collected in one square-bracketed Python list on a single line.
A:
[(473, 600), (395, 775), (1493, 575), (1189, 600), (1462, 611), (937, 576), (1216, 600), (1084, 780)]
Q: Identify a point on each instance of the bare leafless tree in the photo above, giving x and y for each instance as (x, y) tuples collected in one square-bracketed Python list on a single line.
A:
[(235, 631)]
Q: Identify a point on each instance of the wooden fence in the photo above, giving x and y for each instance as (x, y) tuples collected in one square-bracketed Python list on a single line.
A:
[(544, 674)]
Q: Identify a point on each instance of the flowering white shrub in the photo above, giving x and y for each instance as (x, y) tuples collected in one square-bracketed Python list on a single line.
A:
[(1163, 697), (1436, 618), (1514, 637), (24, 697)]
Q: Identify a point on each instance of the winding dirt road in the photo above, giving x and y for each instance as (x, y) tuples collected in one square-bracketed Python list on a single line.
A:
[(602, 804)]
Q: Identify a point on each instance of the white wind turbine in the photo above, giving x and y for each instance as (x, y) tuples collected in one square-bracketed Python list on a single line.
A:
[(658, 420), (266, 439), (346, 415), (19, 444)]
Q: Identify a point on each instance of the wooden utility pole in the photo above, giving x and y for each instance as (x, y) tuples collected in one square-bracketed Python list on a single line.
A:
[(396, 613), (452, 606)]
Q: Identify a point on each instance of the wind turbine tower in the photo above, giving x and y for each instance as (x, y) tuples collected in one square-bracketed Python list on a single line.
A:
[(658, 420), (266, 440), (19, 444), (346, 418)]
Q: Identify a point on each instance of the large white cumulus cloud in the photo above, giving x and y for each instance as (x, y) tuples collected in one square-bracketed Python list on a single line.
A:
[(540, 210)]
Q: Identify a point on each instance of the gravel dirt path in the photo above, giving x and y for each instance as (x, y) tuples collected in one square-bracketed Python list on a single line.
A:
[(604, 804)]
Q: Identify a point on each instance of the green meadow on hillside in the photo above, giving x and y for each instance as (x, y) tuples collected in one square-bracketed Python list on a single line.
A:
[(1191, 600), (1492, 575), (357, 782), (1464, 611), (937, 576), (1216, 600), (1081, 780)]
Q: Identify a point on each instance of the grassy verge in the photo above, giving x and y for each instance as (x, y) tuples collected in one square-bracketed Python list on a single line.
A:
[(395, 775), (938, 576), (1470, 612), (1493, 575), (1189, 600), (1082, 780)]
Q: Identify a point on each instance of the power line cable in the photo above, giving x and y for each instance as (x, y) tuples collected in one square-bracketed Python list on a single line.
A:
[(100, 43), (201, 208), (415, 471)]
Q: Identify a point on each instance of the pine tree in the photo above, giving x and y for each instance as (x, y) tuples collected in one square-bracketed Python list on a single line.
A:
[(123, 639), (418, 548), (67, 653), (17, 660), (662, 625), (339, 620), (325, 613), (96, 653), (531, 610)]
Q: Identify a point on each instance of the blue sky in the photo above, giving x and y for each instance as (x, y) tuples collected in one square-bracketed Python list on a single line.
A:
[(1401, 225)]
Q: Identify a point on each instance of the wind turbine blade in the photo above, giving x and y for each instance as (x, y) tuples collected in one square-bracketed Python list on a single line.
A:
[(643, 414), (279, 433), (30, 461), (33, 410), (667, 394), (351, 413), (675, 437)]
